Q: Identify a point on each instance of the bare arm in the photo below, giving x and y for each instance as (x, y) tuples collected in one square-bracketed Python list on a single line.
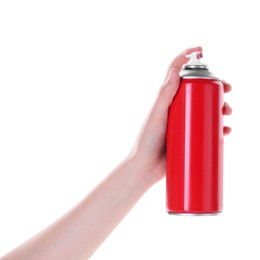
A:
[(78, 233)]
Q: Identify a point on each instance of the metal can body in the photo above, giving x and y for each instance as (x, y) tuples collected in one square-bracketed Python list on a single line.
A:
[(194, 148)]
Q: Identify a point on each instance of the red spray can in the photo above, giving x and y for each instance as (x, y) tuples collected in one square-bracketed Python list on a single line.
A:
[(194, 142)]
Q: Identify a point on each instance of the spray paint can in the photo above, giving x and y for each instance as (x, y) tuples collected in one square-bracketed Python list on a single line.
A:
[(194, 142)]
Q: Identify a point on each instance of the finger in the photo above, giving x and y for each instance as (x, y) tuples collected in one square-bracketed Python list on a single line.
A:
[(171, 82), (226, 109), (227, 130), (181, 59), (169, 87), (227, 87)]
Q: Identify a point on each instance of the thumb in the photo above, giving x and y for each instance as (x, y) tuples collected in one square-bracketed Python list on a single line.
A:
[(170, 87)]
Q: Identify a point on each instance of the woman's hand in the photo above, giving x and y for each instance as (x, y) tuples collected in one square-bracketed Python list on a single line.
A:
[(150, 145)]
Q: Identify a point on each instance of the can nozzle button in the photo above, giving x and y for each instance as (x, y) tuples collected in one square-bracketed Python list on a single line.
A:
[(195, 62)]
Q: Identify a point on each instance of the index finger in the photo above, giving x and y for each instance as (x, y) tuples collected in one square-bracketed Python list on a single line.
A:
[(181, 59)]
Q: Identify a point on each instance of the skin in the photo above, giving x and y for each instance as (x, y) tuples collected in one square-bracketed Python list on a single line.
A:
[(78, 233)]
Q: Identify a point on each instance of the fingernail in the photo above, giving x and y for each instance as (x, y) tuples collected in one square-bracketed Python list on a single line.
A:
[(172, 76)]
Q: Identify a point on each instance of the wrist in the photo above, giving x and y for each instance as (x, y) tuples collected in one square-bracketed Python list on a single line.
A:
[(145, 172)]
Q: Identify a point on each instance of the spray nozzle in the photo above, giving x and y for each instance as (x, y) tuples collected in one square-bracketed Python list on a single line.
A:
[(195, 57), (195, 62)]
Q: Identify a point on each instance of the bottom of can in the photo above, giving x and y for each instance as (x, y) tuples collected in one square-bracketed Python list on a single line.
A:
[(194, 214)]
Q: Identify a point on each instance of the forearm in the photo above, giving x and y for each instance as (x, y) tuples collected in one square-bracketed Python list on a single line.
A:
[(79, 232)]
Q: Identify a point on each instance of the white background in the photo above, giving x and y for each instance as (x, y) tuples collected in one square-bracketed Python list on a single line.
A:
[(77, 78)]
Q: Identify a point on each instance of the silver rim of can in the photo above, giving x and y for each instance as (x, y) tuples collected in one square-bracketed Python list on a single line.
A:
[(197, 74), (195, 214)]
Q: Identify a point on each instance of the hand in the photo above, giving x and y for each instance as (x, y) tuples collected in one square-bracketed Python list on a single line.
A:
[(150, 145)]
